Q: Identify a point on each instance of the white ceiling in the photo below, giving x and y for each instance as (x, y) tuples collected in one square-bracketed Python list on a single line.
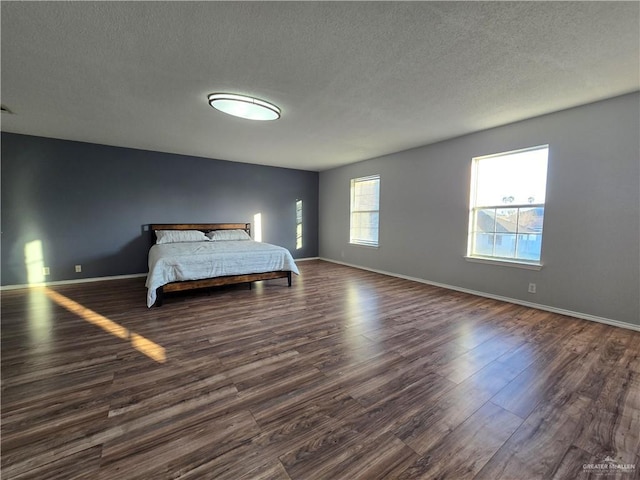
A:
[(354, 80)]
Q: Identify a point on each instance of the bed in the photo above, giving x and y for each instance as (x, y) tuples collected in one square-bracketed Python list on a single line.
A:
[(190, 256)]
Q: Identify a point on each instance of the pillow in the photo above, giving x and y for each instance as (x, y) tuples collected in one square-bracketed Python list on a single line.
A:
[(176, 236), (223, 235)]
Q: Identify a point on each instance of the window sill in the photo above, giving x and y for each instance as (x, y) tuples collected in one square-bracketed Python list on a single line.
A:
[(364, 245), (504, 263)]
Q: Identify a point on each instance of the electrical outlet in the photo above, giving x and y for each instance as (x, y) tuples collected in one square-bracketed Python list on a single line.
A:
[(78, 268), (532, 288), (45, 271)]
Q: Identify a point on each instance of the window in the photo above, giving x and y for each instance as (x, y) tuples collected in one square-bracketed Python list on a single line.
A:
[(298, 224), (365, 205), (507, 206)]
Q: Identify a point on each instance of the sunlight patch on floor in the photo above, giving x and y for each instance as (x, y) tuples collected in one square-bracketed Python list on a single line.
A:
[(140, 343)]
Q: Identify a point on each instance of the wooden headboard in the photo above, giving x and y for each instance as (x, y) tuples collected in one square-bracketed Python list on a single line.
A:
[(203, 227)]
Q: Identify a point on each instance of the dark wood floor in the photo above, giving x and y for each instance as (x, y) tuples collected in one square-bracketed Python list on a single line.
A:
[(347, 374)]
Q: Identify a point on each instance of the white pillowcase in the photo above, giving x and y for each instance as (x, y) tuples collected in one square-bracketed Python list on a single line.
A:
[(177, 236), (224, 235)]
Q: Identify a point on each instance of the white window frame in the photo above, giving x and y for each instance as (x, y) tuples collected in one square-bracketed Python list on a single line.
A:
[(473, 208), (354, 213)]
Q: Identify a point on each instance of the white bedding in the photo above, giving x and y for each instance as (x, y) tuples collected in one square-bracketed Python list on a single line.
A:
[(197, 260)]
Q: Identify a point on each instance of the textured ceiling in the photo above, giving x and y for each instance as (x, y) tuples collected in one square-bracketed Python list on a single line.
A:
[(354, 80)]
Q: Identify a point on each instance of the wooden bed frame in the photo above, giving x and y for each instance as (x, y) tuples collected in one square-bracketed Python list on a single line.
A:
[(216, 281)]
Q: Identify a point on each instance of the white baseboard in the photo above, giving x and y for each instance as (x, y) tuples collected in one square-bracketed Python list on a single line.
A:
[(561, 311), (99, 279), (71, 282)]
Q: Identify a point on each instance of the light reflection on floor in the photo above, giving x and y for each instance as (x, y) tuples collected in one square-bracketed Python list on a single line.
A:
[(361, 308), (39, 318), (486, 346), (140, 343)]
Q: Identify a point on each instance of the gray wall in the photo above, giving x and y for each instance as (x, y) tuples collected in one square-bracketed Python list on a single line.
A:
[(590, 249), (89, 204)]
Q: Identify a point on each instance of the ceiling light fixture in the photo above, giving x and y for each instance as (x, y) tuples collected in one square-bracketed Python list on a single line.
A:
[(244, 107)]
